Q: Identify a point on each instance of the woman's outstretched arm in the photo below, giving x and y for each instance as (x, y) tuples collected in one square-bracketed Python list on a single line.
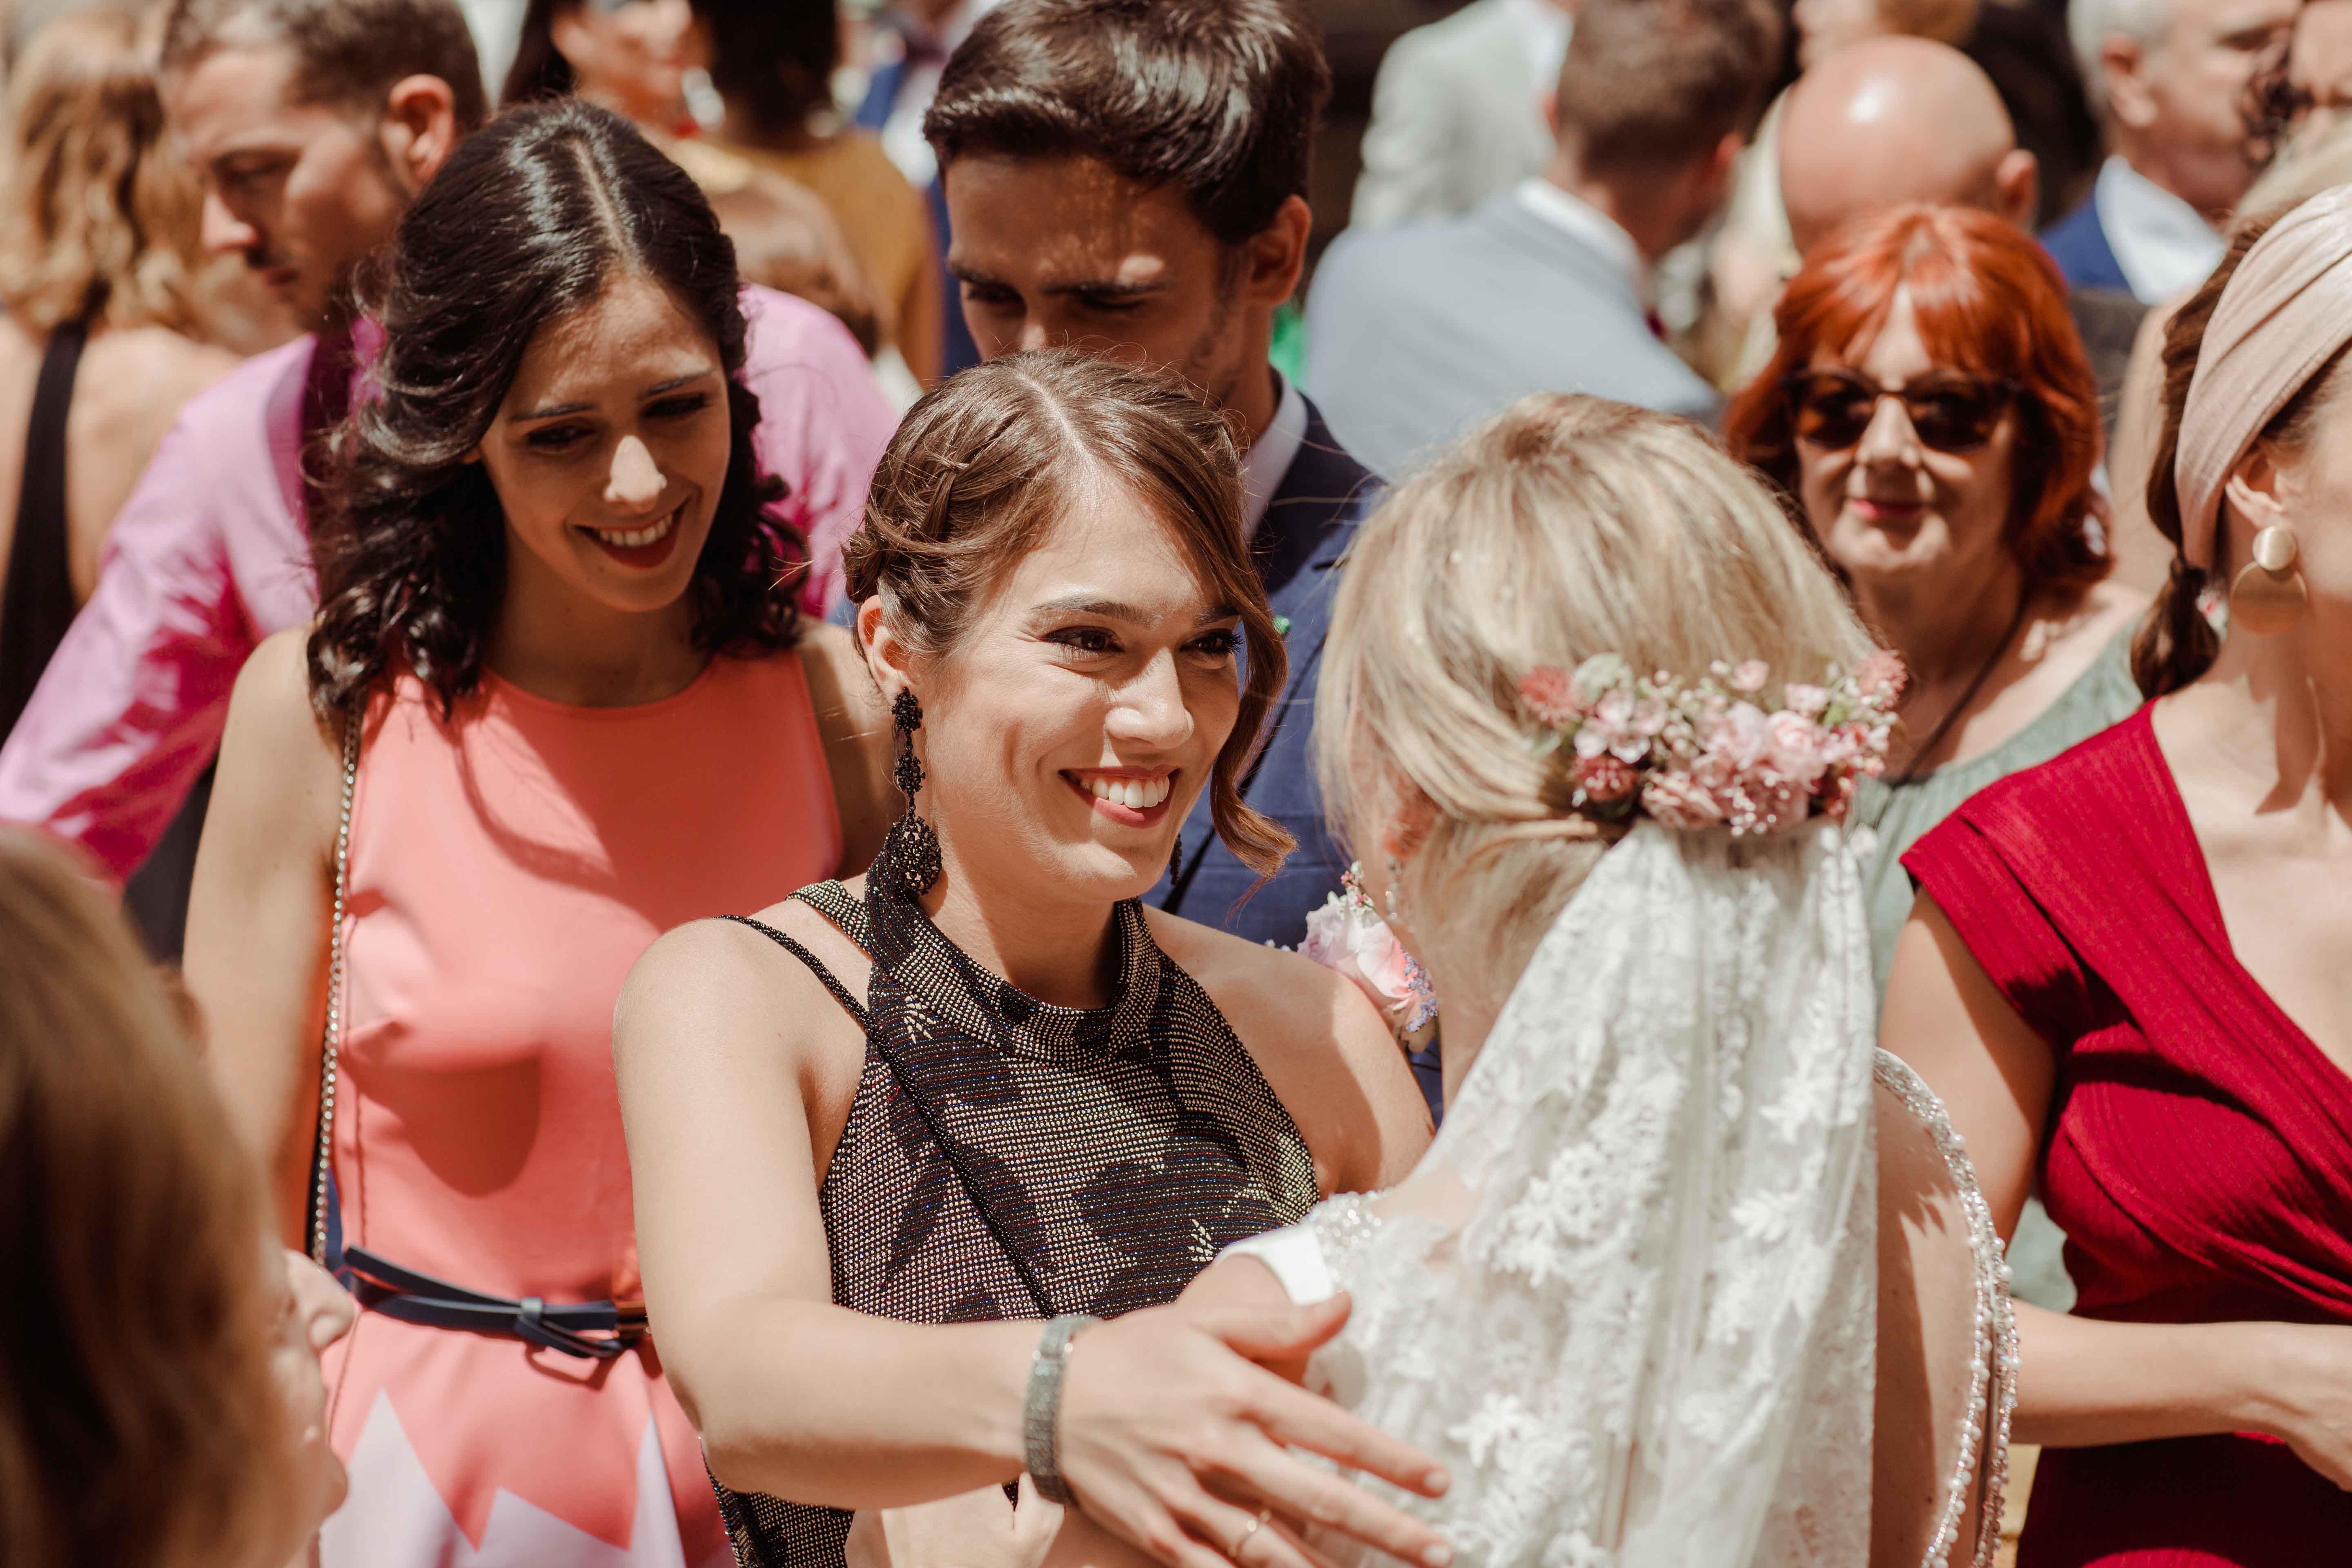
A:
[(719, 1045), (2083, 1382)]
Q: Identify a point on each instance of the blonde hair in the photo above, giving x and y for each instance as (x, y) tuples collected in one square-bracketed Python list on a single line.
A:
[(103, 217), (1564, 527), (140, 1421)]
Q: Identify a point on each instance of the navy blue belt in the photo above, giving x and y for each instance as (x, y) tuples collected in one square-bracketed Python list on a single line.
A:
[(592, 1331)]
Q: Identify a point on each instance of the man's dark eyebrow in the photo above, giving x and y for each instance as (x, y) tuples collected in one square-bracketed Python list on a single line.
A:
[(557, 410), (1107, 289), (1093, 288)]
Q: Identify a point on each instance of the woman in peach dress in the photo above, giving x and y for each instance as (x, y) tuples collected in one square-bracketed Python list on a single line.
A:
[(557, 701)]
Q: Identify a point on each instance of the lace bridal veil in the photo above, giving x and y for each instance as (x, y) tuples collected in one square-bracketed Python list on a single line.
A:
[(1629, 1296)]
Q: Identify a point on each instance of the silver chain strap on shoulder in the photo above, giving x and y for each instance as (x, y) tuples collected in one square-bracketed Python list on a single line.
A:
[(332, 1040)]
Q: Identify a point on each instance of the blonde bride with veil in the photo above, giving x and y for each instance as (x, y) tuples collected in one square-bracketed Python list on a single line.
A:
[(1590, 713)]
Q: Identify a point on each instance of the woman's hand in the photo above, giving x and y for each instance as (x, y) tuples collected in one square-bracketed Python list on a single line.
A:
[(314, 1311), (1238, 1279), (2307, 1401), (978, 1530), (1171, 1438)]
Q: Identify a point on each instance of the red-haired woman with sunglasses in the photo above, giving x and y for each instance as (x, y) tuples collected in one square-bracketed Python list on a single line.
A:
[(1933, 423)]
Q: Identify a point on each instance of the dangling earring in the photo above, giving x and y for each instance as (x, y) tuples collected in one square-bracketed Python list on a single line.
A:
[(1396, 877), (2270, 595), (913, 848), (1176, 857)]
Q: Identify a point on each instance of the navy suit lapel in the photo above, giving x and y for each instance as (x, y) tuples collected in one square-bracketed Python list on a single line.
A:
[(1297, 546)]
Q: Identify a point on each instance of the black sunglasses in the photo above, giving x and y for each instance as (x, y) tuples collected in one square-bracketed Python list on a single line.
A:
[(1951, 413)]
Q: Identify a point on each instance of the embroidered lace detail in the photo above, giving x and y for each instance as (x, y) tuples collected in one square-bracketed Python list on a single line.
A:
[(1341, 1226), (1629, 1296)]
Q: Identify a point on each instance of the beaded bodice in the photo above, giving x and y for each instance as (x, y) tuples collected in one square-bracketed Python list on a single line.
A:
[(1004, 1158)]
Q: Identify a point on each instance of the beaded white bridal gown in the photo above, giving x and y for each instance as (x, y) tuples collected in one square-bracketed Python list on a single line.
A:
[(1628, 1297)]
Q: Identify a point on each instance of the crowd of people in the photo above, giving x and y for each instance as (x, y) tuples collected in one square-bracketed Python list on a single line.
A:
[(774, 789)]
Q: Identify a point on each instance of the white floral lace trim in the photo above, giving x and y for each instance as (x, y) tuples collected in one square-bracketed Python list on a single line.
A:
[(1629, 1296)]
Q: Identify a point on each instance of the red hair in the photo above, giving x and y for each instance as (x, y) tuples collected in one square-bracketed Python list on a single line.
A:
[(1989, 302)]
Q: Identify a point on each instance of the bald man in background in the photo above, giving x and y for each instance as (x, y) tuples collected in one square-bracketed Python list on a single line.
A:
[(1891, 121)]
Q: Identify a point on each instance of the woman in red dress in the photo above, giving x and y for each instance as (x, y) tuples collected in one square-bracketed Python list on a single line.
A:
[(2126, 975)]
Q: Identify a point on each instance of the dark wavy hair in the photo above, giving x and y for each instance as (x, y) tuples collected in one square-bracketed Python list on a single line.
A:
[(527, 223), (1988, 301)]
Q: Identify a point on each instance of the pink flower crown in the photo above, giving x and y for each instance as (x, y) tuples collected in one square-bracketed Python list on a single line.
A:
[(1711, 753)]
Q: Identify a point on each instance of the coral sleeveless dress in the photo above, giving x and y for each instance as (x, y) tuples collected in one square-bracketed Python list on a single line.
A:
[(2199, 1149), (506, 869)]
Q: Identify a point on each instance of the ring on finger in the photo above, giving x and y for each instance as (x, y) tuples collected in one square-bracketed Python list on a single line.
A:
[(1251, 1529)]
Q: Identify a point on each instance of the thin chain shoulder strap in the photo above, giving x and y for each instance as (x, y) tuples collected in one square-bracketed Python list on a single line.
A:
[(331, 1041), (815, 965)]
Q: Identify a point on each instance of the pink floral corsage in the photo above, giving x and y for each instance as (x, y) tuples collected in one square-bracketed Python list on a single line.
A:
[(1347, 935), (1716, 753)]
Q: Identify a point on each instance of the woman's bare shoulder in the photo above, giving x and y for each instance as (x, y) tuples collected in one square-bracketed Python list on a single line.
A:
[(270, 708), (1291, 996), (725, 972), (280, 775), (1323, 1048)]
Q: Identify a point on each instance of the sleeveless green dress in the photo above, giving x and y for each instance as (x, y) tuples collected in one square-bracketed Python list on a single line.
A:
[(1894, 818)]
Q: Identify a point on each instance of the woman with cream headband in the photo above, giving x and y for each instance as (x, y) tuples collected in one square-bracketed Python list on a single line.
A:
[(2125, 975)]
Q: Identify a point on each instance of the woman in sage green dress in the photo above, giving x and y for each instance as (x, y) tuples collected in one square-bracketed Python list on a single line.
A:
[(1933, 423)]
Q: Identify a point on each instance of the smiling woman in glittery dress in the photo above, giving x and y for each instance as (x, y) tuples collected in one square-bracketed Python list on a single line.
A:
[(983, 1082)]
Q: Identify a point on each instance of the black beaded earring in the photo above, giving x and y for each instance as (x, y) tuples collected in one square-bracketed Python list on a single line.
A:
[(913, 847), (1176, 858)]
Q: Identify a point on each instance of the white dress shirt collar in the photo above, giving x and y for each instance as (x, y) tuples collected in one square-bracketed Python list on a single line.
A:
[(1269, 460), (2163, 244), (1575, 216)]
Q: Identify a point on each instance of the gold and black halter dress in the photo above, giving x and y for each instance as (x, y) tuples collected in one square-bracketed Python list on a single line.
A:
[(1007, 1159)]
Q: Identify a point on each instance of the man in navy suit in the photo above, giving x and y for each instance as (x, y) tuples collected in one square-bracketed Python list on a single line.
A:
[(1131, 175), (2168, 78)]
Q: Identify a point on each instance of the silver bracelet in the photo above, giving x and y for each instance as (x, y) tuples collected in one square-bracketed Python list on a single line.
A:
[(1041, 1412)]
